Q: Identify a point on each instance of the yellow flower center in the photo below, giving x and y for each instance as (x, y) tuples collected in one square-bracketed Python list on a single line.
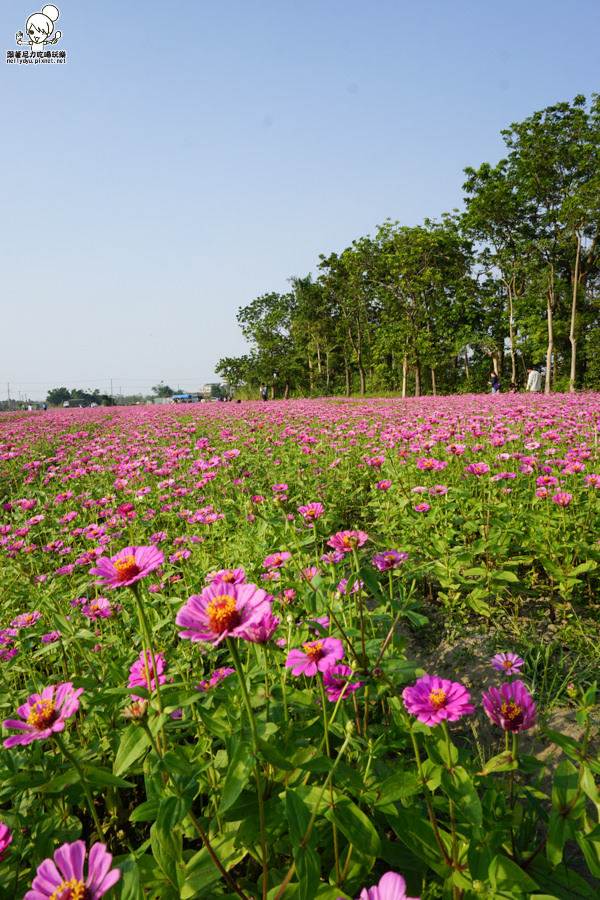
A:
[(310, 514), (314, 650), (222, 614), (506, 663), (70, 890), (228, 577), (437, 698), (511, 711), (42, 714), (126, 568), (350, 541)]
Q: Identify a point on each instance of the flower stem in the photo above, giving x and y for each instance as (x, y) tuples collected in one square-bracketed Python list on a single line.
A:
[(75, 763)]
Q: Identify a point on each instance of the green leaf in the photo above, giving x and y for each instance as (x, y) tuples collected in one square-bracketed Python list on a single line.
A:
[(104, 778), (397, 787), (459, 787), (238, 772), (166, 849), (145, 812), (503, 762), (505, 875), (133, 745), (274, 757), (201, 871), (297, 815), (505, 576), (354, 825), (565, 786), (172, 811)]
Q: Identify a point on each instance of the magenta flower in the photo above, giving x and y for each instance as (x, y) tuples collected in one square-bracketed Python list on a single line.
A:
[(337, 681), (562, 499), (390, 559), (223, 610), (508, 663), (315, 656), (25, 620), (422, 507), (100, 608), (227, 576), (511, 707), (5, 839), (62, 878), (277, 560), (311, 511), (262, 632), (433, 700), (343, 589), (383, 485), (345, 541), (44, 713), (128, 566), (142, 668), (51, 637), (391, 887)]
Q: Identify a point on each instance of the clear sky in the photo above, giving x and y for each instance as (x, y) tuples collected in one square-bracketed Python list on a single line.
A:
[(193, 155)]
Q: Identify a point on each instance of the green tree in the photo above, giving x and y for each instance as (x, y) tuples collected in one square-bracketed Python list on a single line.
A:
[(162, 390), (58, 396)]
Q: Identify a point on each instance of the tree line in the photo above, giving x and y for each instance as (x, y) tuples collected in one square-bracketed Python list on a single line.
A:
[(510, 282)]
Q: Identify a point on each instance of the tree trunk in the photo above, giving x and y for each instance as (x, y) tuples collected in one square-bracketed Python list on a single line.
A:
[(417, 379), (347, 370), (311, 379), (572, 336), (513, 358), (286, 393), (467, 373), (550, 346), (404, 371), (433, 387), (363, 384)]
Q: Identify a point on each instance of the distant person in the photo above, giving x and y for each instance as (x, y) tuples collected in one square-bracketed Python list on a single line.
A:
[(534, 381), (495, 382), (263, 391), (512, 388), (44, 406)]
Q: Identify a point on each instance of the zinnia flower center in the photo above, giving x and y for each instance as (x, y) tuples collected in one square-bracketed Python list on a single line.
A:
[(314, 650), (350, 541), (512, 711), (42, 714), (72, 889), (222, 614), (506, 664), (126, 568), (437, 698)]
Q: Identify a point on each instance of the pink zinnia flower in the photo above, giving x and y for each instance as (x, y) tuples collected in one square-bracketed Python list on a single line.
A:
[(315, 656), (277, 560), (422, 507), (434, 699), (336, 680), (226, 576), (508, 663), (345, 541), (343, 589), (390, 559), (511, 707), (51, 638), (383, 485), (139, 671), (221, 611), (25, 620), (62, 878), (262, 632), (5, 839), (311, 511), (98, 609), (391, 887), (128, 566), (562, 499), (44, 713)]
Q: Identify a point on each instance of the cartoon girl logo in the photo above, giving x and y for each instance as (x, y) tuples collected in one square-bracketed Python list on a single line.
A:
[(39, 27)]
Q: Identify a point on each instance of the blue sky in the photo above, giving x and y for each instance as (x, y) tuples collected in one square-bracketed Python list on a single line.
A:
[(192, 156)]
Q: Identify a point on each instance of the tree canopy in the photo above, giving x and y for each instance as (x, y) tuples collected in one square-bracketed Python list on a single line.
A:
[(510, 282)]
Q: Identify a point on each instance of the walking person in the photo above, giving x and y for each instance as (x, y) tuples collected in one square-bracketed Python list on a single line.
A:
[(534, 381), (263, 391), (495, 382)]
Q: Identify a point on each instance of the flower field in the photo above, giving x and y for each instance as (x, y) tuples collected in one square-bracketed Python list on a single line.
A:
[(218, 650)]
